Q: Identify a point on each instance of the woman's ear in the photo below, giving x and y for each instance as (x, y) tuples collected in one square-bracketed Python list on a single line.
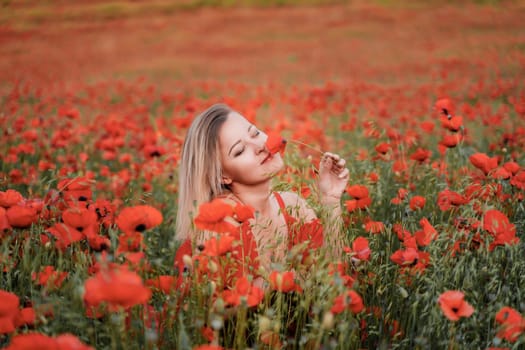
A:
[(226, 180)]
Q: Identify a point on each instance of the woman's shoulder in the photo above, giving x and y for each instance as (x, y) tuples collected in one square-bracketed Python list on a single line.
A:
[(291, 198)]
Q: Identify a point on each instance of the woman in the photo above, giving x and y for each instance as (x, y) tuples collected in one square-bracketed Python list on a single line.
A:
[(226, 155)]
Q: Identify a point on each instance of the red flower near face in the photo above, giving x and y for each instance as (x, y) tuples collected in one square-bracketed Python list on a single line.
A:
[(243, 291), (454, 306), (283, 282), (117, 287), (275, 143), (138, 219), (512, 324), (8, 311), (349, 300)]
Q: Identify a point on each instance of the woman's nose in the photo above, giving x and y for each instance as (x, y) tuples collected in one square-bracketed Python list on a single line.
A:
[(258, 146)]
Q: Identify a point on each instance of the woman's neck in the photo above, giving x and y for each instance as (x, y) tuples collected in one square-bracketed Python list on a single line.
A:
[(258, 197)]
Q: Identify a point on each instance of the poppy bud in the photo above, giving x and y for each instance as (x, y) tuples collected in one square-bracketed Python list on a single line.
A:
[(328, 321), (264, 324)]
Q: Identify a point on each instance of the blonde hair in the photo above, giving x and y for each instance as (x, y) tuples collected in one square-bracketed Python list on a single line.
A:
[(200, 170)]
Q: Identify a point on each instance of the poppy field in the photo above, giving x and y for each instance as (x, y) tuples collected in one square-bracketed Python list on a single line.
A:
[(425, 103)]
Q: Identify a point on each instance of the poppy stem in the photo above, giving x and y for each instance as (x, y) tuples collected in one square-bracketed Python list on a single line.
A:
[(307, 145)]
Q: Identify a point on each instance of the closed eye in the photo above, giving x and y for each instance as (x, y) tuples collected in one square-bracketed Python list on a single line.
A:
[(238, 152)]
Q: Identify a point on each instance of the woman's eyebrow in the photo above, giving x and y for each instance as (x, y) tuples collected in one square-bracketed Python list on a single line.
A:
[(230, 151)]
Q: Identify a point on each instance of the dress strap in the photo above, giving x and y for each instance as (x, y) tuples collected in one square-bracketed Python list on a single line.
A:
[(282, 206)]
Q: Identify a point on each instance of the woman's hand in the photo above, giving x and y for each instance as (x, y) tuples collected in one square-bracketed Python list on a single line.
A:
[(333, 178)]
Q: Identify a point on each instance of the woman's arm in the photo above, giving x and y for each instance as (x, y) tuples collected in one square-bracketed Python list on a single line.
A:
[(333, 179)]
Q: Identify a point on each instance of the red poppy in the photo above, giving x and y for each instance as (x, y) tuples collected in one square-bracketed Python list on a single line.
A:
[(138, 219), (421, 155), (80, 218), (77, 189), (283, 282), (518, 180), (49, 277), (357, 191), (512, 324), (117, 287), (496, 222), (70, 342), (130, 243), (349, 300), (501, 173), (217, 246), (427, 126), (216, 216), (4, 223), (427, 234), (454, 306), (21, 216), (208, 347), (243, 290), (164, 283), (417, 202), (406, 257), (275, 143), (444, 106), (27, 342), (64, 235), (484, 162), (360, 249), (8, 311), (512, 167), (354, 204), (374, 227), (451, 141), (25, 317), (452, 123), (10, 198), (383, 148), (448, 199)]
